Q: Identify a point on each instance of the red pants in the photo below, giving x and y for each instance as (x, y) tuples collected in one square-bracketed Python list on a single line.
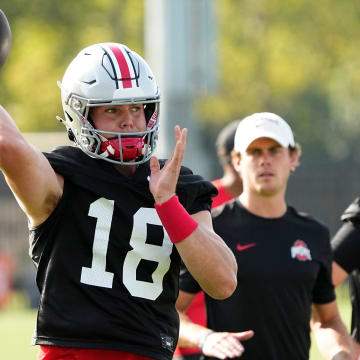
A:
[(60, 353)]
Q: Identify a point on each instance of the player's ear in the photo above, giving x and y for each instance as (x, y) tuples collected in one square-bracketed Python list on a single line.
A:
[(294, 159), (235, 160), (295, 154)]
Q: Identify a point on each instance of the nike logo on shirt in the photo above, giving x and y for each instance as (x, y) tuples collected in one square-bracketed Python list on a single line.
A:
[(244, 247)]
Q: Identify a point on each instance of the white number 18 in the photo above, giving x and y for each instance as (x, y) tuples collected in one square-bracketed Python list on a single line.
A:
[(103, 209)]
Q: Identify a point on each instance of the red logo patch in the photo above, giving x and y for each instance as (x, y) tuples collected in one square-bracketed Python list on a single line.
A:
[(300, 251), (244, 247)]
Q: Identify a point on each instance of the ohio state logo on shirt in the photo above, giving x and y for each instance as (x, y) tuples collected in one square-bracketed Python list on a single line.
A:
[(300, 251)]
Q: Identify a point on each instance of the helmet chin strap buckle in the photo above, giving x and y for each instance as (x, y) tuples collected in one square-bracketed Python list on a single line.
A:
[(111, 150)]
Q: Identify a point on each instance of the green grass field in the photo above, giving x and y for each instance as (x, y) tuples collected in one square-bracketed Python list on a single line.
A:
[(16, 328), (17, 325)]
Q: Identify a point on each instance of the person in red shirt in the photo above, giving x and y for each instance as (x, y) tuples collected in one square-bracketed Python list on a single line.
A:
[(228, 186)]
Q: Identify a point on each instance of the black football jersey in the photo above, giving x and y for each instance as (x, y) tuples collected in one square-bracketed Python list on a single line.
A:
[(346, 250), (106, 268), (284, 265)]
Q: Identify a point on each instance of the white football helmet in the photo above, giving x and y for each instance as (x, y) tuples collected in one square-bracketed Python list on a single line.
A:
[(110, 74)]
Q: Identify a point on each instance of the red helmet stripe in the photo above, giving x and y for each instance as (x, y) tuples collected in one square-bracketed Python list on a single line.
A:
[(123, 65)]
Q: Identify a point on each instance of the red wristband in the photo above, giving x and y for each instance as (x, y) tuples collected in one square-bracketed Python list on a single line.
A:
[(176, 220)]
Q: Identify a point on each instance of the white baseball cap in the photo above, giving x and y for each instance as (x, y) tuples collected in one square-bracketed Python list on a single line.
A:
[(260, 125)]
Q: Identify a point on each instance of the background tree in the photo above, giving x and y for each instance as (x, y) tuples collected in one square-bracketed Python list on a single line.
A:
[(297, 58), (46, 36)]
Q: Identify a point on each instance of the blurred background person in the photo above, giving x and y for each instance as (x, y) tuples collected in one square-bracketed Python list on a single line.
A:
[(346, 264), (228, 186), (284, 261)]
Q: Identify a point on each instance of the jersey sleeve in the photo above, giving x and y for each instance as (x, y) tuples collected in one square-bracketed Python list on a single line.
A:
[(186, 281), (346, 242), (223, 196), (324, 292), (40, 236)]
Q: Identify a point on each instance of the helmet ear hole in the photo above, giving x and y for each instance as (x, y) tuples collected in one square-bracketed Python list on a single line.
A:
[(71, 135), (148, 111), (69, 117)]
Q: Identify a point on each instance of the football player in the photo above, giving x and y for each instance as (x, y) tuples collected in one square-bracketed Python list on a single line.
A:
[(346, 249), (109, 222)]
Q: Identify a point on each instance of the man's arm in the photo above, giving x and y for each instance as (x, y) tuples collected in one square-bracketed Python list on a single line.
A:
[(338, 274), (330, 333), (190, 334), (204, 253), (338, 277), (35, 185), (221, 345)]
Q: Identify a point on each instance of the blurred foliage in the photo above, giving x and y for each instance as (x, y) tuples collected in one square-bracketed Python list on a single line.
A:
[(46, 35), (297, 58)]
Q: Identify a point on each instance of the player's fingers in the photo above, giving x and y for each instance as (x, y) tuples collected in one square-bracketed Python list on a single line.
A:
[(223, 345), (177, 133), (225, 352), (245, 335), (218, 353), (177, 156), (170, 160), (234, 343), (154, 165), (183, 140), (183, 136), (232, 346)]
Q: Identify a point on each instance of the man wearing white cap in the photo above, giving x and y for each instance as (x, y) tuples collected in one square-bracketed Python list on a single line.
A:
[(284, 262)]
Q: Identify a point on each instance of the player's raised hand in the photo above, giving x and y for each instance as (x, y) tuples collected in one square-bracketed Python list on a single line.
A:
[(225, 345), (163, 181)]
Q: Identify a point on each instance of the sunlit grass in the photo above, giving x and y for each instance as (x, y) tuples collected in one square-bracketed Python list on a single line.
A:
[(17, 323)]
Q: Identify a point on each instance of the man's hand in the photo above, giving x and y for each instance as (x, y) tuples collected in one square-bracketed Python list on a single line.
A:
[(163, 182), (356, 348), (225, 345)]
